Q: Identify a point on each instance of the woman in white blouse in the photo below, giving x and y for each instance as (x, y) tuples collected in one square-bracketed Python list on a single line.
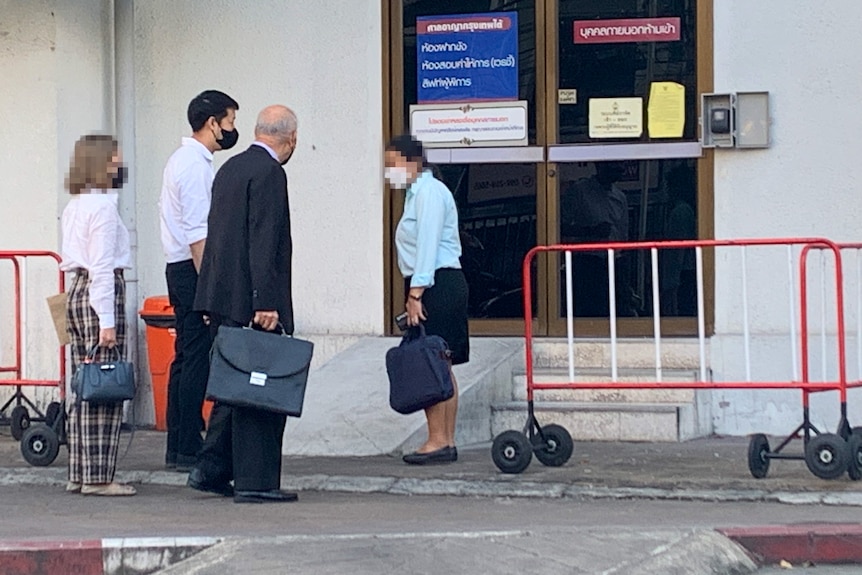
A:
[(96, 251)]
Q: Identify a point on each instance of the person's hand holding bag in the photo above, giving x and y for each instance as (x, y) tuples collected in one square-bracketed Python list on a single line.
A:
[(108, 337)]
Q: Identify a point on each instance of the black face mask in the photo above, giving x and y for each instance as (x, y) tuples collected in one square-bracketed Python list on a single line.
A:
[(120, 178), (228, 139), (287, 159)]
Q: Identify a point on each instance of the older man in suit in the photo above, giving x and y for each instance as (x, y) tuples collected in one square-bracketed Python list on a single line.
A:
[(246, 278)]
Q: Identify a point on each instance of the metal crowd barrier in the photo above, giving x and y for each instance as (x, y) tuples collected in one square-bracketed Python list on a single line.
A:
[(40, 432), (827, 455)]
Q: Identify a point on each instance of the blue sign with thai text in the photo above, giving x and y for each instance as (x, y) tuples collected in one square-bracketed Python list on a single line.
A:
[(467, 57)]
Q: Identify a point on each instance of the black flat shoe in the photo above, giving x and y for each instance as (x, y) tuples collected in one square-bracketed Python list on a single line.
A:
[(271, 496), (443, 455), (197, 481)]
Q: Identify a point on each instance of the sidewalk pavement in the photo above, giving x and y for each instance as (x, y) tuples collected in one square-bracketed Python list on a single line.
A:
[(710, 469), (705, 470)]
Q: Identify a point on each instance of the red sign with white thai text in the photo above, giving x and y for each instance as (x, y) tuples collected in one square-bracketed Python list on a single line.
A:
[(470, 23), (627, 30)]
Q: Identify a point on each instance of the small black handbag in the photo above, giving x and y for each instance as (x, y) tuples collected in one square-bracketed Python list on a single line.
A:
[(111, 381), (418, 370), (259, 369)]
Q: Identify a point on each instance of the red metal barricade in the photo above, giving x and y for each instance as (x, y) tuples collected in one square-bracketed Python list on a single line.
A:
[(827, 455), (852, 283), (20, 418)]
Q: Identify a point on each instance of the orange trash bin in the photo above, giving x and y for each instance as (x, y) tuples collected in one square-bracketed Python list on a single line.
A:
[(161, 335)]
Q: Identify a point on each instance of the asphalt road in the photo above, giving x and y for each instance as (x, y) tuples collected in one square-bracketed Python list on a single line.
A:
[(49, 512), (338, 533)]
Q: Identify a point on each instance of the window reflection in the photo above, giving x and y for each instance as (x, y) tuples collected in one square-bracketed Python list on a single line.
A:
[(497, 212), (604, 202)]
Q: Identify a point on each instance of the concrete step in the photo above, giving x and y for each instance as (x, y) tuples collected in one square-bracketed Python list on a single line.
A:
[(346, 410), (676, 353), (605, 421), (600, 375)]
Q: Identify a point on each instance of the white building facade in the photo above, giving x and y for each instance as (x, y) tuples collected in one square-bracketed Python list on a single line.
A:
[(350, 71)]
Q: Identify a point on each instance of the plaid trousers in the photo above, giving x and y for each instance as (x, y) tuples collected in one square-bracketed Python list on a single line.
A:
[(93, 429)]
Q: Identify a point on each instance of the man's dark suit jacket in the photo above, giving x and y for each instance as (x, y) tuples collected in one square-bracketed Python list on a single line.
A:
[(247, 258)]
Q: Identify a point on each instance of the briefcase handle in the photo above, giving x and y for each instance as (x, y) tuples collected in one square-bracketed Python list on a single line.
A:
[(278, 325)]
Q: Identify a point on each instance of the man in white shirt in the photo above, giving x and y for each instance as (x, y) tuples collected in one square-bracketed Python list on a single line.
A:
[(184, 207)]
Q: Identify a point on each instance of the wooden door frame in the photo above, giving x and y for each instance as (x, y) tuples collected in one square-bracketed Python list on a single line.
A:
[(390, 263), (547, 210)]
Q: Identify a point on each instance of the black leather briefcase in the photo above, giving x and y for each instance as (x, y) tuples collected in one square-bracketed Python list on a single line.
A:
[(264, 370)]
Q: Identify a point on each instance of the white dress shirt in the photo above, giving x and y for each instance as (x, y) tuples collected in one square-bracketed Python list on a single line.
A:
[(184, 204), (95, 238)]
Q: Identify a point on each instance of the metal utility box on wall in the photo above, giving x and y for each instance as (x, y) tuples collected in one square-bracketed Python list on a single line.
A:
[(752, 119), (717, 120), (739, 120)]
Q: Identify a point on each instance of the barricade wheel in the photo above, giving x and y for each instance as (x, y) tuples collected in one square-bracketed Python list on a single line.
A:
[(20, 421), (826, 455), (51, 413), (512, 452), (758, 462), (557, 447), (40, 445), (854, 448)]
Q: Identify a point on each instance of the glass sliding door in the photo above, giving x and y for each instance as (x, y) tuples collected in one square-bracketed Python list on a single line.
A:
[(612, 154), (499, 191), (624, 157)]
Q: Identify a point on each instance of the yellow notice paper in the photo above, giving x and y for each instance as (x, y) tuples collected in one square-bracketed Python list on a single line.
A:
[(616, 117), (666, 110)]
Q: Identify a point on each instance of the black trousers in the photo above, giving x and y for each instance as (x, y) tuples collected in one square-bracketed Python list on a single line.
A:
[(189, 372), (242, 443)]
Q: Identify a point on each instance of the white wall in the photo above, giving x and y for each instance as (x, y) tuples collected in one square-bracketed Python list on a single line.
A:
[(324, 60), (52, 64), (806, 54)]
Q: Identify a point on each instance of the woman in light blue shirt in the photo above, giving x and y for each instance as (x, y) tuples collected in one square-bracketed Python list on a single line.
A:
[(429, 251)]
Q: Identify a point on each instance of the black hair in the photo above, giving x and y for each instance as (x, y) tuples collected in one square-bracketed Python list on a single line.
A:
[(608, 173), (209, 104), (408, 147), (435, 171)]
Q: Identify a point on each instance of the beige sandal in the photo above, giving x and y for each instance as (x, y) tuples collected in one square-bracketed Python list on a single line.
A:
[(108, 490), (73, 487)]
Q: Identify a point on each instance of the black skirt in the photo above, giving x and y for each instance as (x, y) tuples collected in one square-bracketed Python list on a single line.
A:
[(446, 309)]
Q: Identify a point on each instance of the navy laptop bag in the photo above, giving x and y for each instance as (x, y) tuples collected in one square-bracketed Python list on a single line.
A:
[(418, 370)]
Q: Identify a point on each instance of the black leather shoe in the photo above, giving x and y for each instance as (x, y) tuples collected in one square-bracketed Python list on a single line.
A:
[(443, 455), (198, 481), (271, 496), (170, 460)]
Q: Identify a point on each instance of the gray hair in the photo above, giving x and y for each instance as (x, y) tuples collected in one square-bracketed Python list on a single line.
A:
[(279, 123)]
